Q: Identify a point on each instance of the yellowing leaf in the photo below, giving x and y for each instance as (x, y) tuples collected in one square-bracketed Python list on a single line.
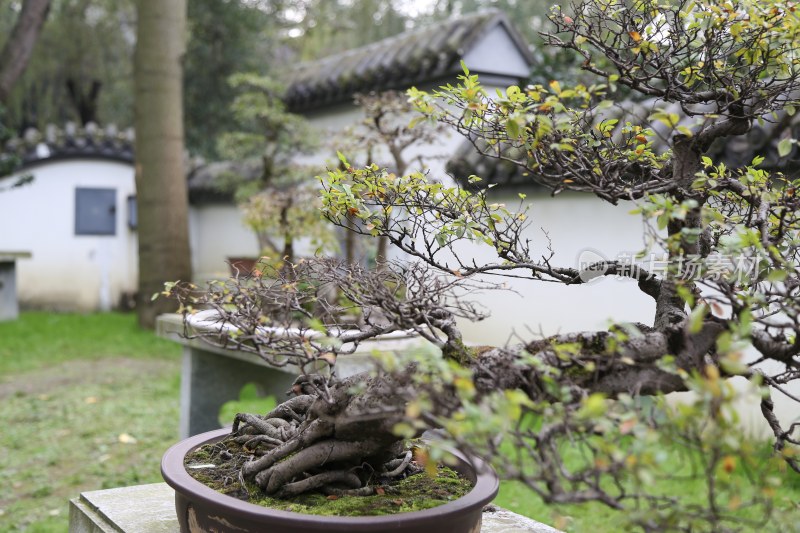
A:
[(729, 463), (124, 438), (635, 35), (329, 357), (413, 410)]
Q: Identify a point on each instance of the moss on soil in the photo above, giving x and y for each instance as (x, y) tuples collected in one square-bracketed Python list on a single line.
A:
[(413, 493)]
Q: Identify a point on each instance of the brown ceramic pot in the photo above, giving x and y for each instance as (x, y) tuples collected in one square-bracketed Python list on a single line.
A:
[(242, 266), (202, 509)]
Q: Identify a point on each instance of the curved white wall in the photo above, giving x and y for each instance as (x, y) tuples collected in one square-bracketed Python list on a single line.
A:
[(68, 271)]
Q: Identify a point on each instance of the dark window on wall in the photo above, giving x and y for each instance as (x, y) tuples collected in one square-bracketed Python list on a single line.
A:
[(133, 214), (95, 211)]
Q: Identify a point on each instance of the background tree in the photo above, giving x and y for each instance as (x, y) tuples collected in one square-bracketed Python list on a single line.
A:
[(563, 414), (389, 136), (328, 27), (81, 69), (280, 204), (162, 198), (225, 38), (18, 47)]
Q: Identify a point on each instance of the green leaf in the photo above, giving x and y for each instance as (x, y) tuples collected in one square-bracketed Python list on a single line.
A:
[(342, 158), (416, 120), (784, 147), (662, 220), (513, 129), (668, 119), (594, 406), (696, 318), (733, 366), (776, 276)]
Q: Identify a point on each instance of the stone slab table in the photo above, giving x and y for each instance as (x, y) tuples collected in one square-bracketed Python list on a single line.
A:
[(151, 509), (9, 306), (211, 376)]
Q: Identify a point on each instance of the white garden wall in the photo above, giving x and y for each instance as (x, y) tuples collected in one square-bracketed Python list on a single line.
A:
[(69, 271)]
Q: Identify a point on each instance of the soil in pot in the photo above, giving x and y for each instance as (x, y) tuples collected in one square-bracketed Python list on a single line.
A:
[(217, 466)]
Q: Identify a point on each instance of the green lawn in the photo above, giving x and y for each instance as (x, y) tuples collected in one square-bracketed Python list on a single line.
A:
[(90, 402), (86, 402)]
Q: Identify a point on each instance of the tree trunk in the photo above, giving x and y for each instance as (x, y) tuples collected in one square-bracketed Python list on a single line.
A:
[(160, 176), (19, 45)]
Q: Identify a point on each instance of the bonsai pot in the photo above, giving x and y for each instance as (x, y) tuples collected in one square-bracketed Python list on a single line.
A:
[(242, 266), (202, 509)]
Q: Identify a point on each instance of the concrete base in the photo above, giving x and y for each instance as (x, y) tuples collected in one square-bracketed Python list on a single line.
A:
[(211, 376), (139, 509), (9, 307), (151, 509)]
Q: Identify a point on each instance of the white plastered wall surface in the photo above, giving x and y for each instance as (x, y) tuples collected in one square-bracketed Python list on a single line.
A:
[(69, 271)]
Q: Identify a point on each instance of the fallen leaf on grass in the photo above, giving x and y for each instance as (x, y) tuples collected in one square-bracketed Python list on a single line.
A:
[(380, 490), (124, 438), (90, 399), (333, 497)]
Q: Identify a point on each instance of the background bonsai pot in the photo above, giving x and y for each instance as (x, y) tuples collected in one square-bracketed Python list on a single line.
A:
[(242, 266), (202, 509)]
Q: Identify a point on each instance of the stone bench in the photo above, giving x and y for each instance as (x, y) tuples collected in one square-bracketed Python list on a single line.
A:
[(151, 509), (212, 376), (9, 305)]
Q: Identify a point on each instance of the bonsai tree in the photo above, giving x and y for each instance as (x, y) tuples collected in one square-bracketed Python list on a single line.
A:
[(392, 133), (565, 414), (281, 205)]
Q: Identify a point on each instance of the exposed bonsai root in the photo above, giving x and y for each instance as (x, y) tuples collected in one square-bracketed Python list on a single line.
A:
[(325, 438), (251, 443), (272, 479), (398, 466), (307, 434), (269, 427), (340, 477)]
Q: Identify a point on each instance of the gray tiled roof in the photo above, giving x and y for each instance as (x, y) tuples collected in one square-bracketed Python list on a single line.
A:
[(426, 54), (72, 141), (210, 182)]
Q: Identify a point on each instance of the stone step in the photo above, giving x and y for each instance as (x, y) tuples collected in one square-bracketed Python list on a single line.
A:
[(151, 509)]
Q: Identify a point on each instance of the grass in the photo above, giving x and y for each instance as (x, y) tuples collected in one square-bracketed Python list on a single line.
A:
[(40, 339), (86, 402), (90, 402)]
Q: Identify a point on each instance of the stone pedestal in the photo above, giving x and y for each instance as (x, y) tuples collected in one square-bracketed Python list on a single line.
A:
[(9, 306), (211, 376), (151, 509)]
